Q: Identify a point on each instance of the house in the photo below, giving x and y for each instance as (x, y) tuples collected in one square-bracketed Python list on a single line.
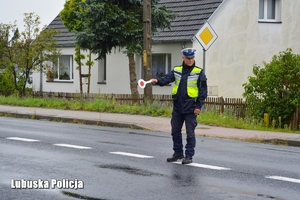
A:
[(248, 32)]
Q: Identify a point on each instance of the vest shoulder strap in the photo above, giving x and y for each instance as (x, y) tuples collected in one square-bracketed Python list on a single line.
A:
[(177, 66), (199, 68)]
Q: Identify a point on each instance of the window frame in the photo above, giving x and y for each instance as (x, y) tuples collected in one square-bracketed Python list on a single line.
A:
[(167, 65), (264, 12), (71, 70), (102, 65)]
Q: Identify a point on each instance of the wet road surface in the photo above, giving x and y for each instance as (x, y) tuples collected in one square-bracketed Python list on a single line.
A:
[(49, 160)]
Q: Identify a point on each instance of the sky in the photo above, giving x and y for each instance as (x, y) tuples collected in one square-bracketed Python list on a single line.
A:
[(47, 10)]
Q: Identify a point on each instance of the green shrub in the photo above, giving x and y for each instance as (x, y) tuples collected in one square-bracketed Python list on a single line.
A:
[(275, 88)]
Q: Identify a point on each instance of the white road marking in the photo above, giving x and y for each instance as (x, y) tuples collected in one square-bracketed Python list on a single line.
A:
[(72, 146), (204, 166), (284, 179), (22, 139), (131, 154)]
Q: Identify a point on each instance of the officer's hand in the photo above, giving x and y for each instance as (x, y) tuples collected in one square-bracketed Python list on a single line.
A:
[(153, 80), (197, 111)]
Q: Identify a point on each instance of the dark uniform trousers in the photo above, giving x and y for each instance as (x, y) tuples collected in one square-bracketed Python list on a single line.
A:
[(190, 123)]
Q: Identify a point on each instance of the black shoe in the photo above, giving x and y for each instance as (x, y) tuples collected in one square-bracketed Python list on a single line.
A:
[(174, 158), (187, 160)]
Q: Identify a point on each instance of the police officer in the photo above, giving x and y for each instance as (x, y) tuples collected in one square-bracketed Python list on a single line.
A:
[(189, 93)]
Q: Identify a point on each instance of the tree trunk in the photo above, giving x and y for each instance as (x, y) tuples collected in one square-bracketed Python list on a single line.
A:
[(133, 81), (89, 74), (79, 69), (147, 39), (23, 84), (14, 73)]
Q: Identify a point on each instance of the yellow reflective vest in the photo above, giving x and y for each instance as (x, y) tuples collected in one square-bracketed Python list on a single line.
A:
[(192, 88)]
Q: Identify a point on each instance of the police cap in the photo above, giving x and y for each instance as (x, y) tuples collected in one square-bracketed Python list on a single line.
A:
[(188, 52)]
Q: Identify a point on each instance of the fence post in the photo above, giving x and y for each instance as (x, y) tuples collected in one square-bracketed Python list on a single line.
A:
[(222, 104)]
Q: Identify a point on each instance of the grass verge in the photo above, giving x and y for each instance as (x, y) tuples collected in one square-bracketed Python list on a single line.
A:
[(155, 109)]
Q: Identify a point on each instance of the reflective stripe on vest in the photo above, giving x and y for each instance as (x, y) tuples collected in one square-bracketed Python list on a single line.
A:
[(192, 88)]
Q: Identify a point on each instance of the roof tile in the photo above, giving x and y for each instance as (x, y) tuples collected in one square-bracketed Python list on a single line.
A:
[(191, 15)]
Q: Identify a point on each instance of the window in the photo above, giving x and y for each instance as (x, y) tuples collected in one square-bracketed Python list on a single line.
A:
[(64, 68), (161, 65), (269, 10), (102, 70)]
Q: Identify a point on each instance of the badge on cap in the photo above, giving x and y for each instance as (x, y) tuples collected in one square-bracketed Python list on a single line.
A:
[(188, 52)]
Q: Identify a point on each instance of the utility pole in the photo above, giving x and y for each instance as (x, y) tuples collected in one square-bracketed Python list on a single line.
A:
[(147, 45)]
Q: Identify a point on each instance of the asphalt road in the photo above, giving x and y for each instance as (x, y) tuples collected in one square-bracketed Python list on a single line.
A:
[(52, 160)]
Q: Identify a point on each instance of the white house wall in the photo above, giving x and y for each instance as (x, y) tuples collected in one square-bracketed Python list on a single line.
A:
[(57, 86), (118, 80), (117, 73), (176, 59), (243, 42)]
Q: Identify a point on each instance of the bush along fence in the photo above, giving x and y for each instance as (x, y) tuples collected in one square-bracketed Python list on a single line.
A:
[(234, 106)]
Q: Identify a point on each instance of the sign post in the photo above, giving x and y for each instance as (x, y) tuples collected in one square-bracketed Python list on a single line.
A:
[(206, 37)]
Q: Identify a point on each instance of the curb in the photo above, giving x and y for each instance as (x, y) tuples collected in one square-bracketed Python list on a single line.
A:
[(291, 143), (72, 120), (125, 125)]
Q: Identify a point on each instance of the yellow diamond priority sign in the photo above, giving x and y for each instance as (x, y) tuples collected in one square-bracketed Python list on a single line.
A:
[(206, 36)]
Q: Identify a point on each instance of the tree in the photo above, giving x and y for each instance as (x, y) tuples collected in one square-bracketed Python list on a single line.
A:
[(9, 77), (78, 59), (27, 51), (6, 82), (112, 24), (74, 24), (89, 63), (275, 89)]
